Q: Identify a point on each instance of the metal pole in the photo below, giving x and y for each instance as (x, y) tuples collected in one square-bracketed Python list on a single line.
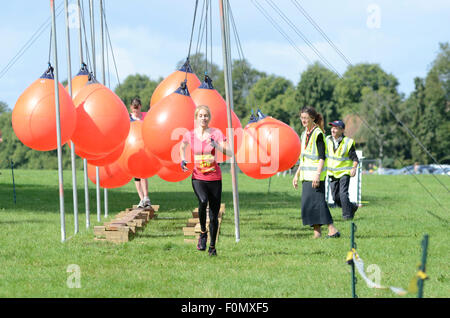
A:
[(420, 281), (14, 183), (105, 199), (80, 40), (353, 245), (97, 173), (58, 124), (97, 178), (86, 194), (226, 50), (86, 184), (91, 14), (72, 149)]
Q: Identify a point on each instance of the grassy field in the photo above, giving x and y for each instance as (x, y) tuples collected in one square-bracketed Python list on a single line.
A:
[(276, 256)]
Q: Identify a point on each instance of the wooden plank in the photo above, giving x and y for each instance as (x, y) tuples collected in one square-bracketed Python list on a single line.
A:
[(188, 231), (115, 226), (99, 231), (118, 236)]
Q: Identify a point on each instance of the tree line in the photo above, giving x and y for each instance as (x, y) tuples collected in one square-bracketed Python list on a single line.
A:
[(386, 124)]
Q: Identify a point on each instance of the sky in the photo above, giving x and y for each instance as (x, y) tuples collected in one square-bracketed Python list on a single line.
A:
[(151, 36)]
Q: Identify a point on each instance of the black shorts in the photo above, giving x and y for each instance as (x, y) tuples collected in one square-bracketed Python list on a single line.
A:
[(137, 179)]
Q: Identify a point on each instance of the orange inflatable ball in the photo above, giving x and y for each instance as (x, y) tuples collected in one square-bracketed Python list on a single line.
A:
[(111, 176), (103, 122), (108, 159), (252, 159), (166, 123), (172, 82), (281, 143), (173, 173), (34, 115), (80, 80), (207, 95), (134, 159), (85, 155)]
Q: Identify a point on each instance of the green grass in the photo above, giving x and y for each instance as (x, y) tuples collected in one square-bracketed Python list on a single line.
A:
[(276, 256)]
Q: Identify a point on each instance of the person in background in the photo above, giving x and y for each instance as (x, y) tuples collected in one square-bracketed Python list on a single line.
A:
[(342, 165), (205, 141), (141, 184), (312, 172)]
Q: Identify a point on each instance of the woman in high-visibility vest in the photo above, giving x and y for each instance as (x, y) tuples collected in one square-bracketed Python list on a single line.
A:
[(312, 172), (342, 164)]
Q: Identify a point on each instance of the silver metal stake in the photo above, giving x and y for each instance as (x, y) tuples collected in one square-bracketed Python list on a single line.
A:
[(105, 198), (72, 149), (86, 182), (58, 125), (226, 50)]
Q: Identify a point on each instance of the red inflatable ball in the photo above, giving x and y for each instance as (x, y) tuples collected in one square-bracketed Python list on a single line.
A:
[(111, 176), (207, 95), (166, 123), (172, 82), (172, 172), (34, 115), (134, 159), (108, 159), (103, 121)]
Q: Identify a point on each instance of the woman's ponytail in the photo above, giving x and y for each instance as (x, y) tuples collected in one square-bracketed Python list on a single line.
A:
[(316, 116)]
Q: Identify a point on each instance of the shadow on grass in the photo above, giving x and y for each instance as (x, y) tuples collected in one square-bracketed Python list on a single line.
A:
[(45, 199)]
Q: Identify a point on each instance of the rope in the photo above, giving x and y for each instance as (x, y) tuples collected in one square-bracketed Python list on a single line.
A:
[(200, 30), (50, 46), (317, 27), (30, 42), (112, 50), (192, 34), (88, 59), (278, 28), (354, 258), (299, 33)]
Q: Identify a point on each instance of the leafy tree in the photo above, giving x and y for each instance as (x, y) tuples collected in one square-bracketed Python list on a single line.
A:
[(137, 86), (411, 113), (437, 100), (271, 95), (384, 138), (3, 107), (244, 77), (426, 112), (316, 88), (348, 91)]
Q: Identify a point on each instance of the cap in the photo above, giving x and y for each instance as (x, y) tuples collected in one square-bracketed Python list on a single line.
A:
[(337, 123)]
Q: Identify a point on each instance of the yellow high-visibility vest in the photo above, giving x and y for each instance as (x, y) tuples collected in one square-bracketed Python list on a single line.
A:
[(339, 163), (309, 158)]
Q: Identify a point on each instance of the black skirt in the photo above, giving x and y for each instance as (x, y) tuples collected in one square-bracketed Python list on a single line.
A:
[(315, 210)]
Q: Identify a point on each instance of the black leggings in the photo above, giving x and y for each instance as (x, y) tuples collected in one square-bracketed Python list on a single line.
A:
[(208, 191)]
